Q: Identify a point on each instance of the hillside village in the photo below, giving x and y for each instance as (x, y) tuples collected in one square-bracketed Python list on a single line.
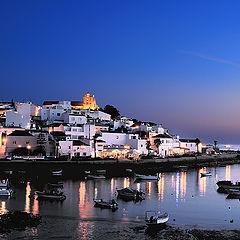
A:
[(71, 130)]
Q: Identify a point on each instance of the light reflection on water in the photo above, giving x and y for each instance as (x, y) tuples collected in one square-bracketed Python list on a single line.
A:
[(185, 195)]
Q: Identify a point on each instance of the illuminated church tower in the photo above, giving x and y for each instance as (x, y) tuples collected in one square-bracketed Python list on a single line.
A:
[(89, 102)]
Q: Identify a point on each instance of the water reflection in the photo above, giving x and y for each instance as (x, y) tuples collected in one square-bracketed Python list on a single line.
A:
[(161, 187), (126, 182), (28, 200), (177, 187), (183, 186), (202, 182), (228, 173), (3, 209)]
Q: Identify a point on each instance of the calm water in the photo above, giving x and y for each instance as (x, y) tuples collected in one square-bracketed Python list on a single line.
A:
[(190, 200)]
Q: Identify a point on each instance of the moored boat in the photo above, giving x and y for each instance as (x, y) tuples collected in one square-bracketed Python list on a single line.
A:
[(90, 177), (56, 185), (112, 204), (153, 218), (228, 184), (206, 174), (147, 177), (227, 190), (50, 195), (129, 194), (57, 173), (6, 192)]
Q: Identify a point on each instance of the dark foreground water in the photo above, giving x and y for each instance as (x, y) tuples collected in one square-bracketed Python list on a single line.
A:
[(191, 201)]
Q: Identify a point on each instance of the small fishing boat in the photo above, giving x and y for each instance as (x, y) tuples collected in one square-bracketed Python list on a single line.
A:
[(206, 174), (228, 184), (101, 171), (56, 185), (129, 194), (112, 204), (153, 218), (57, 173), (234, 195), (91, 177), (147, 177), (50, 195), (227, 190), (4, 188), (6, 192)]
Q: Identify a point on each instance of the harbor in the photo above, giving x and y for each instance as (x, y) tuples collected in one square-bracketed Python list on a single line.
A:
[(192, 202)]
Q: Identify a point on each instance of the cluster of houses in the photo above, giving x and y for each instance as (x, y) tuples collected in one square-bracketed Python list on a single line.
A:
[(77, 129)]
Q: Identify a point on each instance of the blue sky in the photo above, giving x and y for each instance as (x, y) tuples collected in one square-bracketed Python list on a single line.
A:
[(170, 62)]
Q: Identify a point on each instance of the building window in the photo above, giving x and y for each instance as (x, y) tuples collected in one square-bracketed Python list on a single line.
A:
[(133, 137), (84, 154), (58, 114)]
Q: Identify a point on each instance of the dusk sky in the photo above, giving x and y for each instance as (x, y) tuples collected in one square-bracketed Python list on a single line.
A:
[(170, 62)]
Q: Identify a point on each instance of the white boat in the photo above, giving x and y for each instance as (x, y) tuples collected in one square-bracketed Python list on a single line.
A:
[(95, 177), (153, 218), (206, 174), (146, 177), (57, 173), (6, 192)]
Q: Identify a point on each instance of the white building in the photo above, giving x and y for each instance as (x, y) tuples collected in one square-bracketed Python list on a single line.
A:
[(74, 148), (28, 109), (16, 119), (191, 145), (122, 139), (74, 118)]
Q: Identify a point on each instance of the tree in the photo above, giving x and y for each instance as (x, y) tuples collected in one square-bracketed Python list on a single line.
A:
[(148, 145), (112, 111), (95, 141), (157, 143), (197, 141)]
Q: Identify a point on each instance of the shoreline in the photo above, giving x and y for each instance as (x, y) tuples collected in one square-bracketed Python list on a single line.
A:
[(118, 167)]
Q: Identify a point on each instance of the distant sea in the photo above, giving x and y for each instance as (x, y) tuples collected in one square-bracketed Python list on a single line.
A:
[(230, 147)]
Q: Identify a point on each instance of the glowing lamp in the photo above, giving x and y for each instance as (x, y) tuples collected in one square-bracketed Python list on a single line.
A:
[(19, 146), (82, 146), (4, 140), (228, 146), (126, 147), (28, 147)]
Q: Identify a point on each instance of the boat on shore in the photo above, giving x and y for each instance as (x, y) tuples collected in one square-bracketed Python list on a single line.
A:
[(112, 204), (129, 194), (154, 218), (228, 185), (206, 174), (91, 177), (147, 177)]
